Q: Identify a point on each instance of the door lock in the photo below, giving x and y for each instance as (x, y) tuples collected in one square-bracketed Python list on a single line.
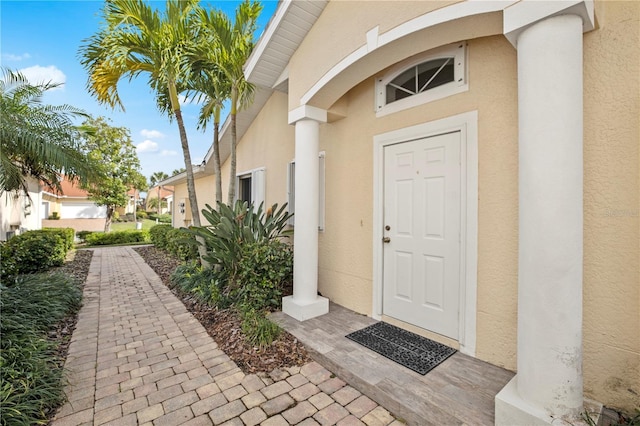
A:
[(386, 240)]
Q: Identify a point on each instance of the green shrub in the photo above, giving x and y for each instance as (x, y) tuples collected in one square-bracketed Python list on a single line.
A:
[(177, 241), (54, 216), (159, 235), (182, 243), (30, 374), (82, 235), (264, 269), (33, 251), (162, 218), (258, 329), (118, 237), (141, 214), (231, 228), (67, 234), (194, 279)]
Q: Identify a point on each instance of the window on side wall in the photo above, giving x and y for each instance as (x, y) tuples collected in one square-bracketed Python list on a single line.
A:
[(424, 78), (250, 186), (291, 191)]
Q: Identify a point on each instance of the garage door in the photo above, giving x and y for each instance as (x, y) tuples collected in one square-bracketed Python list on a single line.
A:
[(82, 211)]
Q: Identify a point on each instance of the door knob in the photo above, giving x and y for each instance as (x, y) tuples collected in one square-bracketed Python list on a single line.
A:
[(386, 240)]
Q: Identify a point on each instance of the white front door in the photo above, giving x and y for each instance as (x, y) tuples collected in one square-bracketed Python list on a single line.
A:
[(422, 213)]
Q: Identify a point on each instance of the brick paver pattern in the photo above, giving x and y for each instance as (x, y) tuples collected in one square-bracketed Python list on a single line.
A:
[(138, 357)]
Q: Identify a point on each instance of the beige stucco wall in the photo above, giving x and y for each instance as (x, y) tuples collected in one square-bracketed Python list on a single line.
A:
[(346, 247), (325, 46), (205, 193), (611, 186), (268, 143), (612, 206), (611, 190)]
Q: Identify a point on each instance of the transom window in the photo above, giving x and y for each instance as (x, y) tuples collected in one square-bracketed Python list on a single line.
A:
[(424, 78)]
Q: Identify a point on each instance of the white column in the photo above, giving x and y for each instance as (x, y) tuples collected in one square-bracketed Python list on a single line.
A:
[(305, 302), (548, 383)]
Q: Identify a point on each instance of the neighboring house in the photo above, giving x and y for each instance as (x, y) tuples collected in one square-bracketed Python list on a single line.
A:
[(133, 201), (21, 212), (166, 196), (467, 170), (73, 207)]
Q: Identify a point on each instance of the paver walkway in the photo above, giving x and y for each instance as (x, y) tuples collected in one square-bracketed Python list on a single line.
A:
[(138, 357)]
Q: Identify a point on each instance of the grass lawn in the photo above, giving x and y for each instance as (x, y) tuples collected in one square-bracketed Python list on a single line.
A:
[(127, 226)]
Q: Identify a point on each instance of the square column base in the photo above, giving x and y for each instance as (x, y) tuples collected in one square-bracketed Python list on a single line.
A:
[(306, 311), (511, 409)]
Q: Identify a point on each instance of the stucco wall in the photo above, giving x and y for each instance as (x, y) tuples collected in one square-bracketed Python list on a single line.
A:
[(268, 143), (611, 186), (612, 206), (325, 47), (346, 262), (205, 192), (19, 211)]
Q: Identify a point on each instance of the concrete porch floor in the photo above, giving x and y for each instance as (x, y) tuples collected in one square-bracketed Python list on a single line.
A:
[(461, 390)]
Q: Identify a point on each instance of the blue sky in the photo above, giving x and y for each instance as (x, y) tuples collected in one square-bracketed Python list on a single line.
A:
[(41, 38)]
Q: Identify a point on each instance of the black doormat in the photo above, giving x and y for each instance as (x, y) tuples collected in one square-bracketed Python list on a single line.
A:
[(404, 347)]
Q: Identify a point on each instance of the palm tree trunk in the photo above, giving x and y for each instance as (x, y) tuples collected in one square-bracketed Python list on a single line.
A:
[(216, 161), (232, 172), (191, 187)]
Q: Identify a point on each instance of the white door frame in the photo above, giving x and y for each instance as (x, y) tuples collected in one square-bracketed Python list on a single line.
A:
[(467, 124)]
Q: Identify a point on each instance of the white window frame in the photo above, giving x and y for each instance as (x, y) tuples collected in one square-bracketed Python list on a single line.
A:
[(291, 195), (460, 84), (258, 185)]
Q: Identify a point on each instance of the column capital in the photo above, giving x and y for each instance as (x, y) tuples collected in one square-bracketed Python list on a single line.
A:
[(307, 112), (525, 13)]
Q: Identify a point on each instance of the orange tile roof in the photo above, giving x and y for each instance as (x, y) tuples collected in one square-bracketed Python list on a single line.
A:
[(165, 191), (69, 189)]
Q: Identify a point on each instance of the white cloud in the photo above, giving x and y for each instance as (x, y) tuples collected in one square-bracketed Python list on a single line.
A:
[(147, 146), (38, 75), (168, 153), (15, 58), (151, 134), (184, 100)]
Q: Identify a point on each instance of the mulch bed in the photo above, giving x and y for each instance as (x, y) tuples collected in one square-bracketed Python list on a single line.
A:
[(223, 325)]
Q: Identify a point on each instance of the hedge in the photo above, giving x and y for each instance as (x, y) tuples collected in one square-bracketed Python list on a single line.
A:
[(159, 235), (31, 252), (67, 234), (118, 237), (178, 241)]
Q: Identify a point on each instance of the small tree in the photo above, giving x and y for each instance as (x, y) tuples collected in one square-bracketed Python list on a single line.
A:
[(112, 149)]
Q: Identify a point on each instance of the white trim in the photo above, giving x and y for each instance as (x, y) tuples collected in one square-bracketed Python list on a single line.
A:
[(460, 84), (257, 178), (436, 17), (321, 190), (264, 40), (467, 124), (526, 13), (307, 112)]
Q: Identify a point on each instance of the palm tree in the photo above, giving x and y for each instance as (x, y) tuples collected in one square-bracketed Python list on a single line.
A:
[(154, 179), (209, 82), (232, 44), (36, 140), (138, 39)]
